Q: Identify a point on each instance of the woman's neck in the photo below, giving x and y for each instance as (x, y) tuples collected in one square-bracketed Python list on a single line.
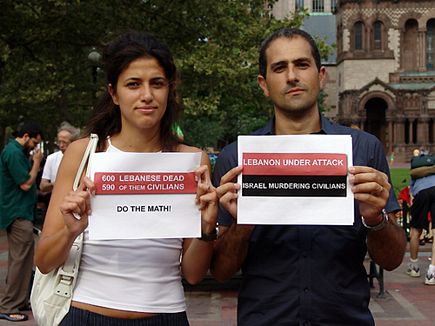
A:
[(141, 141)]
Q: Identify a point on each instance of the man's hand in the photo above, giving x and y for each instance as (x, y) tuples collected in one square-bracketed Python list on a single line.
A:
[(227, 191), (371, 189), (37, 156)]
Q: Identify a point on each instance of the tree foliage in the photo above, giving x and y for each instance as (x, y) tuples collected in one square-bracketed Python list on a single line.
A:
[(45, 73)]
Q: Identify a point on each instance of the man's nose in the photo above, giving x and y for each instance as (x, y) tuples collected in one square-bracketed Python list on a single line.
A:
[(292, 75)]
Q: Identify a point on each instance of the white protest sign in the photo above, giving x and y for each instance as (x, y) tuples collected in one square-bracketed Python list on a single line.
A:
[(144, 195), (295, 179)]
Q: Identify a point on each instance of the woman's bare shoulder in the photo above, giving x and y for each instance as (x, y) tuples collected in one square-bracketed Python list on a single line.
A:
[(188, 149), (76, 148)]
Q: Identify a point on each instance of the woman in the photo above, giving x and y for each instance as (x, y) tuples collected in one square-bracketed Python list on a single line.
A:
[(135, 115)]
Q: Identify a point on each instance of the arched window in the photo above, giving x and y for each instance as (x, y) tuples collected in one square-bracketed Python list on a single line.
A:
[(430, 44), (333, 6), (409, 48), (378, 29), (358, 30), (318, 6), (300, 5)]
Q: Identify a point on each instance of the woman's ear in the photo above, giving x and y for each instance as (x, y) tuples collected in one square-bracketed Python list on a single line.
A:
[(112, 93)]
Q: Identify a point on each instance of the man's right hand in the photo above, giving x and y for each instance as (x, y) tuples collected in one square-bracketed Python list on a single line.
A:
[(37, 156), (228, 191)]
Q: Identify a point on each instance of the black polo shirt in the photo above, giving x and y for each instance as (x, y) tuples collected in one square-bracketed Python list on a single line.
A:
[(308, 274)]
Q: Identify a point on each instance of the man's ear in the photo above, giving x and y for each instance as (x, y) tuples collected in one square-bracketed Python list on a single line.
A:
[(263, 84), (323, 76), (112, 94)]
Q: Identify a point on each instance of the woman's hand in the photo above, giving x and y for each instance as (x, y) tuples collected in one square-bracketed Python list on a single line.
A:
[(228, 189), (76, 207), (206, 199)]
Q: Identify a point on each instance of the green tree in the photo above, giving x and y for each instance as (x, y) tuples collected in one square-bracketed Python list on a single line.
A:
[(45, 73)]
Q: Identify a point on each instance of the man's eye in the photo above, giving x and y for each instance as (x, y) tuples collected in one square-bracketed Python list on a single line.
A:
[(279, 69), (303, 65)]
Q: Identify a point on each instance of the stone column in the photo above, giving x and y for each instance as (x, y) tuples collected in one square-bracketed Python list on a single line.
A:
[(390, 134), (399, 131), (423, 130), (421, 50), (411, 131), (327, 5)]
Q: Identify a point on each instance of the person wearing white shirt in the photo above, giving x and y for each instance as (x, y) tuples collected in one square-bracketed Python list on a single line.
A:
[(66, 134)]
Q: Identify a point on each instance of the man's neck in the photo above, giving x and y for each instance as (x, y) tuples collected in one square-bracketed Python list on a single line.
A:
[(287, 124), (20, 140)]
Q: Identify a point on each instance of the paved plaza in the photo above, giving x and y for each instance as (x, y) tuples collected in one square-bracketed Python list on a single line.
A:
[(406, 302)]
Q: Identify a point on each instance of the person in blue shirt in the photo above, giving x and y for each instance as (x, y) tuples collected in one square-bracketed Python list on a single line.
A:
[(306, 274), (422, 188)]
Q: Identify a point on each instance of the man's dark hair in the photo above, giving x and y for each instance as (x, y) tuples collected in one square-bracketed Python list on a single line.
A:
[(31, 128), (288, 33)]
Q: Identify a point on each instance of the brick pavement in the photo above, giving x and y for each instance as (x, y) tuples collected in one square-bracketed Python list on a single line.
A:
[(407, 301)]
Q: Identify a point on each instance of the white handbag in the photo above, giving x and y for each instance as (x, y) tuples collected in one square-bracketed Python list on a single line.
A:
[(52, 292)]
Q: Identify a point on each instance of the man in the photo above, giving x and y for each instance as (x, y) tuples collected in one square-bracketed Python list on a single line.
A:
[(306, 274), (422, 187), (66, 134), (17, 206)]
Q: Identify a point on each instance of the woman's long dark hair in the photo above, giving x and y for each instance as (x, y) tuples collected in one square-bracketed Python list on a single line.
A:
[(106, 118)]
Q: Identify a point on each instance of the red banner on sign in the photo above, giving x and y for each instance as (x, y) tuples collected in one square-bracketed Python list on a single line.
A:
[(294, 164), (125, 183)]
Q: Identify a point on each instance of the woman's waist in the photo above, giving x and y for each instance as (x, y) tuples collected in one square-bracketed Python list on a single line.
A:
[(114, 313)]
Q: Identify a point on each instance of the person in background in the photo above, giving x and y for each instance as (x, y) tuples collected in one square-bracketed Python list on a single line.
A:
[(66, 134), (129, 281), (422, 188), (306, 274), (17, 207)]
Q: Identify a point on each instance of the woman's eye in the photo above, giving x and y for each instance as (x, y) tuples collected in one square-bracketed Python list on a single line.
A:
[(133, 85), (158, 83)]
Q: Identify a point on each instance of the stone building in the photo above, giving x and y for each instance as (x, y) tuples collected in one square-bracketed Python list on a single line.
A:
[(384, 73)]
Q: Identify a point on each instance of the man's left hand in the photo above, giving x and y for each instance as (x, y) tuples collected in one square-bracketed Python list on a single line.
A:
[(371, 189)]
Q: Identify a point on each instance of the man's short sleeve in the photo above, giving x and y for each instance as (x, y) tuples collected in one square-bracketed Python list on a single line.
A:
[(18, 166), (48, 167), (226, 160)]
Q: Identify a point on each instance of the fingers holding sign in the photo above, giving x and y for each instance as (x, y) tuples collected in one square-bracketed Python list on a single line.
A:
[(76, 206), (371, 189), (228, 190), (206, 198)]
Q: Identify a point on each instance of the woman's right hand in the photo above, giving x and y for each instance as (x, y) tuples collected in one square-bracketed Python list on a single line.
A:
[(76, 207)]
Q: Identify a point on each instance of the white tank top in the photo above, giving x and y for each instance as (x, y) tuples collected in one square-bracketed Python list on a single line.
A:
[(135, 275)]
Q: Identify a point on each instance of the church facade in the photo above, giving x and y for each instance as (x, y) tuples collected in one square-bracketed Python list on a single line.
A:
[(382, 78), (386, 71)]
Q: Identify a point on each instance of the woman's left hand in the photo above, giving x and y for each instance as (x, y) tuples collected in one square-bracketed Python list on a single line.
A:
[(206, 199)]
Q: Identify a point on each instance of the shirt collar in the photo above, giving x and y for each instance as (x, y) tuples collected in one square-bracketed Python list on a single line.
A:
[(16, 143), (326, 127)]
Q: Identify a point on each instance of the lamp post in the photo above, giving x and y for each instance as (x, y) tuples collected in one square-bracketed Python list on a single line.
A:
[(94, 56)]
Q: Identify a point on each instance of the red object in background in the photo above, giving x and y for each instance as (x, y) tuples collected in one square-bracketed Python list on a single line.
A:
[(405, 196)]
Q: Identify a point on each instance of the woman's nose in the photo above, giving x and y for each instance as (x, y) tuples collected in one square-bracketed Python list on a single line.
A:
[(146, 93)]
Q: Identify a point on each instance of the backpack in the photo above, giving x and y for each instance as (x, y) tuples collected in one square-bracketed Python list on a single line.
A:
[(422, 160)]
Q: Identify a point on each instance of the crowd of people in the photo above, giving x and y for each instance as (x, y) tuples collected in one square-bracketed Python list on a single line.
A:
[(291, 274)]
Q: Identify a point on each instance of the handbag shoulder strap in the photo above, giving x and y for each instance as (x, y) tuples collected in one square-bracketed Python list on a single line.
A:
[(68, 271), (92, 145)]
